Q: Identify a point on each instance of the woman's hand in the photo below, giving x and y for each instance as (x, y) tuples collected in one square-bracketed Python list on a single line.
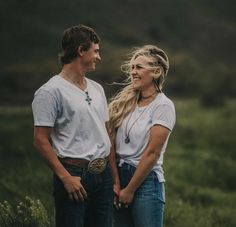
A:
[(126, 197)]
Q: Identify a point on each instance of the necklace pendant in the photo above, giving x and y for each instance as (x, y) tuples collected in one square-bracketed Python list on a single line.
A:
[(88, 99), (127, 140)]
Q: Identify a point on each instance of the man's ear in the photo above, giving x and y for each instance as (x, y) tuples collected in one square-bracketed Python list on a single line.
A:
[(80, 51)]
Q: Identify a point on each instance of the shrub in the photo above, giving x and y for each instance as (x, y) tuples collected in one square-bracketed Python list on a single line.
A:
[(27, 213)]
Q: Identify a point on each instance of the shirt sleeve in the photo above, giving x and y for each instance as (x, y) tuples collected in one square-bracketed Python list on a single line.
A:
[(164, 115), (45, 109)]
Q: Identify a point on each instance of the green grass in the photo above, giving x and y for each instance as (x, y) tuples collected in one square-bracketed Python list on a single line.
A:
[(22, 172), (199, 165)]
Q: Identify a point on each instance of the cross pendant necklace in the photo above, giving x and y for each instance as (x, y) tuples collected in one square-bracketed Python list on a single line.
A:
[(88, 99), (81, 87)]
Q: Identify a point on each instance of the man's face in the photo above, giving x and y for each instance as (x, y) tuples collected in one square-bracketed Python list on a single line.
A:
[(90, 57)]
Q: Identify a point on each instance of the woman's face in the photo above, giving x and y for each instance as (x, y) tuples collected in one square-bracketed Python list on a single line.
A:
[(140, 73)]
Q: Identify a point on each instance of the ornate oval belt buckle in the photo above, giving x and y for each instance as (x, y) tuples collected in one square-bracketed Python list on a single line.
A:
[(97, 165)]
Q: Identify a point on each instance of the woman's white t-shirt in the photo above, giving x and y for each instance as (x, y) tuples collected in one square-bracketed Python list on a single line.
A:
[(160, 111), (78, 127)]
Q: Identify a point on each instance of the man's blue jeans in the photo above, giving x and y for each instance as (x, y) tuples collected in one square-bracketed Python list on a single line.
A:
[(96, 210), (147, 208)]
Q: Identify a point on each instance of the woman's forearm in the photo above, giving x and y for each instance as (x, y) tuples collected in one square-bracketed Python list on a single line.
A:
[(144, 167)]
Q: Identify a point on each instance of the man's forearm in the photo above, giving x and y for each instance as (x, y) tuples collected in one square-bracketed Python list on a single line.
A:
[(114, 170), (45, 149)]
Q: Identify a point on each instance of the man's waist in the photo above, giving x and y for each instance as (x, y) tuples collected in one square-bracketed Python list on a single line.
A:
[(94, 166), (75, 161)]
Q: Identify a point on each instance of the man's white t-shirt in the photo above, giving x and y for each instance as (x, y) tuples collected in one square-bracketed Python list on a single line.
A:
[(160, 111), (78, 127)]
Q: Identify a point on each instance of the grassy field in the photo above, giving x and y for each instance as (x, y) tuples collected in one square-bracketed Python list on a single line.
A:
[(200, 165)]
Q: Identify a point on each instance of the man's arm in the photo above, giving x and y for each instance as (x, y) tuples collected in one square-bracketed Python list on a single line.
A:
[(114, 170), (72, 184)]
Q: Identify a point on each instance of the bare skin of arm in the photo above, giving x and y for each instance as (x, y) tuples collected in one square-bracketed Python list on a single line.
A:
[(158, 136), (72, 184), (114, 172)]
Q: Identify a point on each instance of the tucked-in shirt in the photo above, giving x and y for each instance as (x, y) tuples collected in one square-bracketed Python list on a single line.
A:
[(137, 125), (78, 127)]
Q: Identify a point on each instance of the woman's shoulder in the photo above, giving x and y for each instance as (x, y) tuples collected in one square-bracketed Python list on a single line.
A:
[(162, 99)]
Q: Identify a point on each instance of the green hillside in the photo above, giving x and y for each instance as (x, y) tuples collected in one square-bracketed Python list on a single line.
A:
[(199, 37)]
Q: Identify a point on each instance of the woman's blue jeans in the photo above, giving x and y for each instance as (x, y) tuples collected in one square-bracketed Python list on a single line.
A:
[(96, 210), (147, 208)]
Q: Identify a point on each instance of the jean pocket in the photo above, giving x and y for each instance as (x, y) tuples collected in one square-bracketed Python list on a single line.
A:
[(151, 187), (58, 186), (160, 190)]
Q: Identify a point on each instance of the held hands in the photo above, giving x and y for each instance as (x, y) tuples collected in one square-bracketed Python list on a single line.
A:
[(116, 189), (74, 188), (125, 197)]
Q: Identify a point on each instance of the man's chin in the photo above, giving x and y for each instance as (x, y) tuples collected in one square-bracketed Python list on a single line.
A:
[(92, 69)]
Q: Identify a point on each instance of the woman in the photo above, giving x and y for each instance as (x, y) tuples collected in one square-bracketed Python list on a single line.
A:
[(141, 119)]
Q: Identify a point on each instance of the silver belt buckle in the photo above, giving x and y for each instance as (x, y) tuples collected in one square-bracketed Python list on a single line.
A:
[(97, 165)]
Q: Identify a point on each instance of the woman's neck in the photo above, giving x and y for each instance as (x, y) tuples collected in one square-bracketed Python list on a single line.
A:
[(147, 96)]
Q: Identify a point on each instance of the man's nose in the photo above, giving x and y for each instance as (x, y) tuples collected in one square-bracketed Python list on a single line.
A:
[(99, 57)]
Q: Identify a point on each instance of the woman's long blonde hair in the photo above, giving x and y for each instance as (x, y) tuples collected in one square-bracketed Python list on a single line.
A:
[(124, 102)]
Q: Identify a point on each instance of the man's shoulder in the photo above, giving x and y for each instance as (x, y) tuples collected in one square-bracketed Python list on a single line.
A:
[(51, 86), (53, 82)]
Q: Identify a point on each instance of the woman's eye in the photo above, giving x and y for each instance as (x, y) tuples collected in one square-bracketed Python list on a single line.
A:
[(136, 67)]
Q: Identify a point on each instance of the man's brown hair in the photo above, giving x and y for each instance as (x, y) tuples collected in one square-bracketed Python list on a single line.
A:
[(73, 38)]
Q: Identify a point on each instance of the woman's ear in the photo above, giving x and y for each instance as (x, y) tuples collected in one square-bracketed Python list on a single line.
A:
[(157, 72)]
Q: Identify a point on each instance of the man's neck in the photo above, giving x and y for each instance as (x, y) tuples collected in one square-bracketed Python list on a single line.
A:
[(76, 77)]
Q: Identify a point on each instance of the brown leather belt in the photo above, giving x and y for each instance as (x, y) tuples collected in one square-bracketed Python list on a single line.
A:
[(75, 161), (94, 166)]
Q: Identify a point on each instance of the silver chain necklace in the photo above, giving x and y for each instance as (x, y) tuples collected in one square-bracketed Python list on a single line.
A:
[(127, 138)]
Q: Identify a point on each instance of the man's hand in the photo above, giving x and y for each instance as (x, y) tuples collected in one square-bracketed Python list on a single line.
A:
[(74, 188), (116, 189)]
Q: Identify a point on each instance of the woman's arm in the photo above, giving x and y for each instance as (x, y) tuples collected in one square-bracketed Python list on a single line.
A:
[(158, 136)]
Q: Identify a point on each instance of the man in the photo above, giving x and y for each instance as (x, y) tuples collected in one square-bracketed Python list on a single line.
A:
[(70, 112)]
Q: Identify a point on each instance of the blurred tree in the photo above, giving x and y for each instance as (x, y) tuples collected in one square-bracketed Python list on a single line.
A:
[(195, 33)]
